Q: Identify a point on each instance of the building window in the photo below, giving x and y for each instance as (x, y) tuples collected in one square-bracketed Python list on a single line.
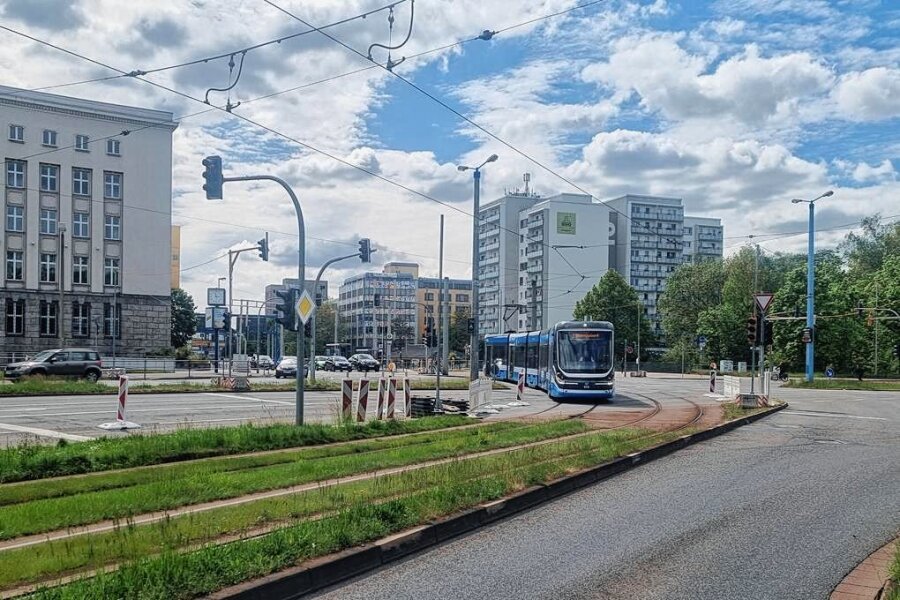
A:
[(81, 225), (47, 318), (49, 138), (48, 268), (112, 228), (81, 182), (462, 297), (16, 133), (112, 320), (81, 142), (81, 319), (113, 147), (15, 173), (48, 221), (80, 270), (15, 317), (112, 185), (49, 178), (15, 218), (429, 296), (14, 265), (111, 272)]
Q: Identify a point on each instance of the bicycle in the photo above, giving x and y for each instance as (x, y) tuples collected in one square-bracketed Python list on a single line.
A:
[(779, 375)]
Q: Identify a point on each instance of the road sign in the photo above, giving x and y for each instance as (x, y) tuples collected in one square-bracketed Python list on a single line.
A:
[(763, 300), (701, 341), (305, 307), (829, 372), (629, 349), (389, 337)]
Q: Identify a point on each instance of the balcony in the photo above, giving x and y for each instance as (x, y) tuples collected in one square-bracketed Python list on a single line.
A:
[(492, 218), (489, 260), (534, 252), (488, 246)]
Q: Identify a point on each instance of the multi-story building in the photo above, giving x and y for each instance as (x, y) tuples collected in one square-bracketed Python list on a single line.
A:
[(428, 296), (87, 195), (372, 305), (319, 294), (702, 239)]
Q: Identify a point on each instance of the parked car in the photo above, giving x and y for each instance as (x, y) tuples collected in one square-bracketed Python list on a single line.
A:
[(265, 362), (337, 363), (364, 363), (288, 368), (70, 362), (321, 361)]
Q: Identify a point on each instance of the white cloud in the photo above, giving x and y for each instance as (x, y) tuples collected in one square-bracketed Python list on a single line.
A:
[(867, 174), (870, 95)]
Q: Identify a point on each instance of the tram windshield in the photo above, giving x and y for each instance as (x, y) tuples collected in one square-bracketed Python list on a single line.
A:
[(584, 351)]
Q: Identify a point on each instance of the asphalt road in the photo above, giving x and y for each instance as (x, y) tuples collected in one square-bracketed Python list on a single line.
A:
[(780, 509)]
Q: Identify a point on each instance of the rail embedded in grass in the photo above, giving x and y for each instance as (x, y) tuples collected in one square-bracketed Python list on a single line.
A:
[(201, 484), (32, 461), (503, 473)]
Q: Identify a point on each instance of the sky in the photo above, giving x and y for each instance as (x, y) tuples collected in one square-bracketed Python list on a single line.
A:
[(736, 106)]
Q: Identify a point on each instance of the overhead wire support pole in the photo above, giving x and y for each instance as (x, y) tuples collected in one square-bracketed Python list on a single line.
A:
[(312, 352), (301, 273)]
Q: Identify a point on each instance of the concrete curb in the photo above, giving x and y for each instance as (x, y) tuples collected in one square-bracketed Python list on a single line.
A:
[(325, 571)]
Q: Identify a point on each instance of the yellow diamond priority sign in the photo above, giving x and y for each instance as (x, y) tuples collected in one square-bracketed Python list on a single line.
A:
[(305, 307)]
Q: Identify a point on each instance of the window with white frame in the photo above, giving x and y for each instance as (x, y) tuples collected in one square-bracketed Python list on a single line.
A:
[(81, 181), (81, 319), (47, 318), (48, 268), (16, 133), (81, 225), (48, 221), (49, 178), (82, 142), (15, 218), (49, 138), (15, 173), (112, 185), (112, 320), (113, 147), (15, 317), (14, 265), (111, 272), (112, 228), (80, 270)]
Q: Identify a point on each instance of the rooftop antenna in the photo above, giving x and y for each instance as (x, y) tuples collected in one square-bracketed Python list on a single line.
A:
[(527, 178)]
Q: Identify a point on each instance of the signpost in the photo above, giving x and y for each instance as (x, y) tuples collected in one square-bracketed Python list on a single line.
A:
[(763, 300), (305, 306)]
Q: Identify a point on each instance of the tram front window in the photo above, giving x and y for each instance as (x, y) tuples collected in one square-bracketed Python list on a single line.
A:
[(584, 351)]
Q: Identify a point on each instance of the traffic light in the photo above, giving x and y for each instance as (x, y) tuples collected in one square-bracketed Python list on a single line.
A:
[(377, 300), (307, 329), (285, 311), (365, 250), (470, 326), (752, 329), (212, 173), (264, 247), (806, 337), (226, 320)]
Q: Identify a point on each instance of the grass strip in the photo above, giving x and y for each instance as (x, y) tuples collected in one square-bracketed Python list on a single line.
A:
[(32, 461), (52, 514), (894, 574), (845, 384), (188, 575), (29, 491), (733, 411)]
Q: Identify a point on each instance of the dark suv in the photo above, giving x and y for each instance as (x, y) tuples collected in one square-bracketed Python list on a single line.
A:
[(71, 362), (364, 363), (337, 363)]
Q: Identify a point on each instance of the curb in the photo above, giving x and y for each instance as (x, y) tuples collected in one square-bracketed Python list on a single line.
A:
[(315, 574)]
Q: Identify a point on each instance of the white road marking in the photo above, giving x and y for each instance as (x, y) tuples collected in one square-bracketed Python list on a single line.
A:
[(236, 397), (831, 415), (45, 433)]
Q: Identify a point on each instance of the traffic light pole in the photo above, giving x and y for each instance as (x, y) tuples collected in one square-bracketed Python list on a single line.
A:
[(301, 273), (312, 329)]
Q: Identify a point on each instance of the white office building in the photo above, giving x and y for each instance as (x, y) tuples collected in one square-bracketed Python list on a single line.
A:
[(702, 239), (87, 194)]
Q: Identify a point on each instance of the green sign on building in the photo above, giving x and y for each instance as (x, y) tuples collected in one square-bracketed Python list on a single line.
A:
[(565, 223)]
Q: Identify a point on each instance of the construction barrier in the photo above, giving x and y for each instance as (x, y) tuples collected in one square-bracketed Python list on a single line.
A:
[(121, 421), (407, 396), (362, 404), (392, 395), (520, 388), (346, 399), (712, 382), (382, 389), (731, 387)]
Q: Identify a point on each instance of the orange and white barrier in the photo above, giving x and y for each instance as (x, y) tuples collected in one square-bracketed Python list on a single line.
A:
[(346, 399), (392, 396), (407, 398), (362, 404), (121, 421)]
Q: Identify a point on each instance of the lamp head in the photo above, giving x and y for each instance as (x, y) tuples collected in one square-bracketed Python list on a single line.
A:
[(492, 158), (797, 201), (828, 193), (462, 168)]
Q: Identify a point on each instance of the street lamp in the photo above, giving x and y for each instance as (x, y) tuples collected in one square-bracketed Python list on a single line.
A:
[(811, 280), (473, 359)]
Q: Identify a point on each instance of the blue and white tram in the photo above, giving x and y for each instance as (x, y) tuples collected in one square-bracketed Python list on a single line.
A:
[(571, 360)]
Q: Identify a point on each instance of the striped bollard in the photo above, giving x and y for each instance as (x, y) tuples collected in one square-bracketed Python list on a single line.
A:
[(712, 382), (121, 421), (346, 400), (382, 389), (392, 395), (362, 404), (520, 388), (407, 397)]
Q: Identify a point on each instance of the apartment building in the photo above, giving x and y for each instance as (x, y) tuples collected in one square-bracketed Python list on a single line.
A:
[(87, 197), (702, 239)]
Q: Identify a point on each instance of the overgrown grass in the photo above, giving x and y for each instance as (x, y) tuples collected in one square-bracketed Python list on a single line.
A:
[(735, 411), (845, 384), (32, 461), (202, 484), (895, 575), (358, 513)]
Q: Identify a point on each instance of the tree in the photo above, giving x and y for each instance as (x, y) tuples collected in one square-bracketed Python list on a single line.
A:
[(459, 330), (612, 299), (403, 333), (184, 324), (690, 290)]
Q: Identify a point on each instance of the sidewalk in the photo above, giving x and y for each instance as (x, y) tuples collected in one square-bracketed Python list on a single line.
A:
[(868, 578)]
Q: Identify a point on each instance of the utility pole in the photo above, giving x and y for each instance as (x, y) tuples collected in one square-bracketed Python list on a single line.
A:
[(753, 308), (637, 349), (62, 282), (445, 357), (875, 372), (440, 320)]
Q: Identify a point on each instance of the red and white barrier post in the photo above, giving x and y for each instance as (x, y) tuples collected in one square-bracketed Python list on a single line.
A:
[(121, 421), (520, 387), (382, 390), (346, 400), (362, 403), (392, 396), (712, 382), (407, 398)]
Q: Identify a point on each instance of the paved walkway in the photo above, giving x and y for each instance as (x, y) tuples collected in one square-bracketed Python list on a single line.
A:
[(866, 580)]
